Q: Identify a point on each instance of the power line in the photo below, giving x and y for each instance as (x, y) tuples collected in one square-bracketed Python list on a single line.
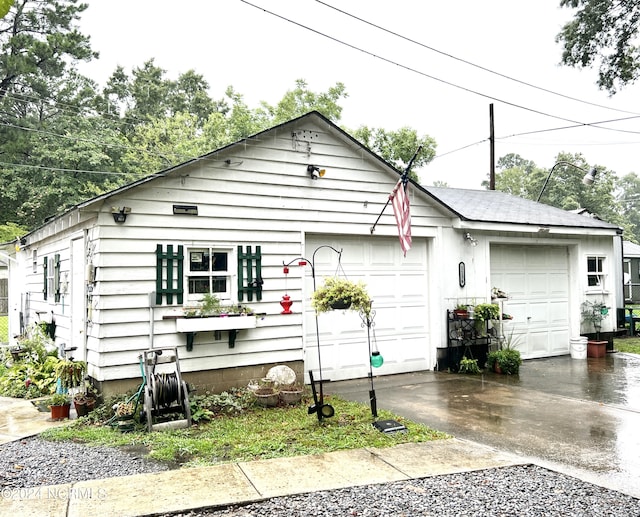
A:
[(57, 169), (414, 70), (504, 76)]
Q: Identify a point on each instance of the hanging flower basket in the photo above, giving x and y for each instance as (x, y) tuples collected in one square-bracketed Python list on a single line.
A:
[(340, 293)]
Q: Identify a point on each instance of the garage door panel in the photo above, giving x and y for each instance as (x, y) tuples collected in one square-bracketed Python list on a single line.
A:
[(536, 279), (398, 287)]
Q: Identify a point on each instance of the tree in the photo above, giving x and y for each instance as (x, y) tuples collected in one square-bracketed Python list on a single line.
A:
[(5, 5), (37, 38), (398, 147), (603, 32)]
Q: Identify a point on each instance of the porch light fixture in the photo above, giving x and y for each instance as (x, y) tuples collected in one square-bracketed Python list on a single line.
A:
[(120, 213), (185, 209), (471, 240), (315, 171), (588, 179)]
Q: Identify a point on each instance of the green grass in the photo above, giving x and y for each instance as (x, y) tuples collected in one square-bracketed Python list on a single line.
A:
[(258, 433), (630, 345)]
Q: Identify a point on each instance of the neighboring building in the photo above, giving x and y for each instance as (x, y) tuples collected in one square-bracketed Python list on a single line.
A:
[(113, 270), (631, 272)]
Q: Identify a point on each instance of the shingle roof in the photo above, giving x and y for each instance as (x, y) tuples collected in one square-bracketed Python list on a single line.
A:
[(500, 207), (629, 249)]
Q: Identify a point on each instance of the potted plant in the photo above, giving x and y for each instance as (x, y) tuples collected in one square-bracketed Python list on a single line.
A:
[(484, 312), (291, 393), (340, 293), (59, 405), (70, 372), (593, 313), (267, 393), (461, 311), (85, 400), (468, 366), (506, 359)]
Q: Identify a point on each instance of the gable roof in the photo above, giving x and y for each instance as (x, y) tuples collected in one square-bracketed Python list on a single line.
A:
[(499, 207)]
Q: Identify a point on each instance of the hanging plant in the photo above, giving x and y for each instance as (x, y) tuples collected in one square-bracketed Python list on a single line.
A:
[(340, 293)]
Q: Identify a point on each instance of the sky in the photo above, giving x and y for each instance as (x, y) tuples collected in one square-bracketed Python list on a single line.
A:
[(416, 77)]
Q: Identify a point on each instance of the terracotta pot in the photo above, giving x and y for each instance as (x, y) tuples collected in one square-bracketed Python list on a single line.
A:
[(60, 412), (596, 348), (83, 408)]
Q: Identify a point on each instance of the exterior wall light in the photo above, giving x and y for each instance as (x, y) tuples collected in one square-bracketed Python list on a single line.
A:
[(471, 240), (315, 171), (120, 213)]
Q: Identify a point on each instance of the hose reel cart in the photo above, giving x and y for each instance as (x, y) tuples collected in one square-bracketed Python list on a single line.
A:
[(165, 394)]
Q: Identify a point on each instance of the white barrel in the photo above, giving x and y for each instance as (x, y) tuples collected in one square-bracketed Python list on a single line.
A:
[(578, 346)]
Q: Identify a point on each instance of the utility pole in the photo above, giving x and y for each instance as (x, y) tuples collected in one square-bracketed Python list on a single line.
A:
[(492, 151)]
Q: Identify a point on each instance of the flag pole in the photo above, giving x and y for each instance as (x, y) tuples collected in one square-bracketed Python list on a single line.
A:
[(404, 177)]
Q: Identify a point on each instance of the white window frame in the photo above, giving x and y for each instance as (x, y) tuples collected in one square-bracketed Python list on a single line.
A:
[(230, 274), (597, 278)]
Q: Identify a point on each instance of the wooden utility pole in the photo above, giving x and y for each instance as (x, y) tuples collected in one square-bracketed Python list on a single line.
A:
[(492, 151)]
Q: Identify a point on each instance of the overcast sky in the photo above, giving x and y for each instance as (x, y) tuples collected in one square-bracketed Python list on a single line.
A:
[(231, 42)]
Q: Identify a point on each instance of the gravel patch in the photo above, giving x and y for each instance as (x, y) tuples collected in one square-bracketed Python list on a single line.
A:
[(510, 491), (36, 462)]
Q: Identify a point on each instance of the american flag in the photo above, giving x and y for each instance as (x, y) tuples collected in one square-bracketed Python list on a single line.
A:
[(400, 203)]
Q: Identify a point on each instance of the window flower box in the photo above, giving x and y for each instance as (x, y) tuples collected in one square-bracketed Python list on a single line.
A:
[(213, 323)]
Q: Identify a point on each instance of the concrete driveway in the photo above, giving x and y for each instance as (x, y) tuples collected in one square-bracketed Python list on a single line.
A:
[(579, 417)]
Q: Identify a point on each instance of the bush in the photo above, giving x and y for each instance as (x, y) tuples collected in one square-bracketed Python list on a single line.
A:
[(507, 359), (469, 366)]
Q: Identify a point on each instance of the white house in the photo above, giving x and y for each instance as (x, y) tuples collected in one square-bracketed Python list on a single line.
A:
[(116, 270)]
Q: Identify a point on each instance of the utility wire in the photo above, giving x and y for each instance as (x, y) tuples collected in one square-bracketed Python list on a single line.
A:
[(504, 76), (416, 71)]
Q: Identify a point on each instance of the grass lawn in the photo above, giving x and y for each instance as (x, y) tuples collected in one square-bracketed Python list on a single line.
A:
[(630, 345), (256, 433)]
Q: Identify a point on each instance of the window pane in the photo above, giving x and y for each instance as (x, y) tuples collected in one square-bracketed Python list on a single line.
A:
[(591, 264), (198, 285), (594, 280), (199, 261), (219, 285), (219, 261)]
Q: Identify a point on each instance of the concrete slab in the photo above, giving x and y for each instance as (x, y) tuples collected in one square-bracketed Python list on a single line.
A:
[(418, 460), (169, 491), (19, 418), (578, 417), (340, 469), (39, 501)]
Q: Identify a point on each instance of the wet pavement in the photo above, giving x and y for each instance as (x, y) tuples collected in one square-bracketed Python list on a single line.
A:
[(576, 416)]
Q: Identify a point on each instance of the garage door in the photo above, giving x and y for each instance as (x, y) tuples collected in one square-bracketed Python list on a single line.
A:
[(536, 278), (398, 287)]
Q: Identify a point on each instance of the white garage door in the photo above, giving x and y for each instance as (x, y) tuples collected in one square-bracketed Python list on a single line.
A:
[(536, 278), (398, 287)]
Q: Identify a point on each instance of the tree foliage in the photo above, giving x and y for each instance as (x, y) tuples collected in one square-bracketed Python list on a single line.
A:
[(603, 33), (565, 189), (398, 147)]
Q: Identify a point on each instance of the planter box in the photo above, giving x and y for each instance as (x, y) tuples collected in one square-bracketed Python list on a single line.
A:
[(214, 323), (596, 348)]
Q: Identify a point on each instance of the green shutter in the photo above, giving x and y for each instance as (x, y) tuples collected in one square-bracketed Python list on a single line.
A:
[(169, 274), (44, 275), (249, 274), (56, 278)]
